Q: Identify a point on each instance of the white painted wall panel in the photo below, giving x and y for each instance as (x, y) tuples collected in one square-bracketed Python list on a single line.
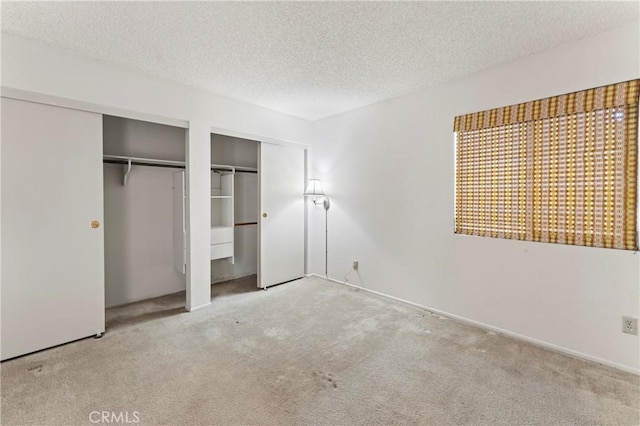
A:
[(389, 170), (135, 138), (233, 151)]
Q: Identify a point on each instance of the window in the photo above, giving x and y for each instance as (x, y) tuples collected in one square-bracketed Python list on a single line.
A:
[(557, 170)]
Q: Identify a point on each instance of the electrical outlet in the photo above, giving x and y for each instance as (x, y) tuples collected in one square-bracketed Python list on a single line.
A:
[(630, 325), (355, 264)]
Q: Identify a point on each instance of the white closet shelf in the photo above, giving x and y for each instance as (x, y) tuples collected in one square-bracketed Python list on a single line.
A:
[(225, 167), (149, 161)]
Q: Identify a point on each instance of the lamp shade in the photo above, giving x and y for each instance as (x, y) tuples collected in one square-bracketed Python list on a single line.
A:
[(314, 188)]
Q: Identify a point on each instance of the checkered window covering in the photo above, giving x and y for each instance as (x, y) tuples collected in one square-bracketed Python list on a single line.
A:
[(556, 170)]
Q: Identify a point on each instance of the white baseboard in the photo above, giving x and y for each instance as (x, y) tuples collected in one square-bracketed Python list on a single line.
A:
[(536, 342), (195, 308)]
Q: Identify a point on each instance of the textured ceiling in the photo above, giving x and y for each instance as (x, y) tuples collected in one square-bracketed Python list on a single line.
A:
[(311, 59)]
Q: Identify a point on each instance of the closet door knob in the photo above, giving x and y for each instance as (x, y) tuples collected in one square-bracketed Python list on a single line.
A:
[(95, 224), (264, 215)]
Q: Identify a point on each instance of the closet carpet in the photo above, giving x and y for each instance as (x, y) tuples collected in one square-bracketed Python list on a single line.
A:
[(308, 352)]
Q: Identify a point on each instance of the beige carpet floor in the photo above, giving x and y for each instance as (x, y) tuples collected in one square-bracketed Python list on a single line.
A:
[(308, 352)]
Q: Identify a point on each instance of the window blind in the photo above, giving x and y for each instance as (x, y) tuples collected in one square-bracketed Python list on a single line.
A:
[(557, 170)]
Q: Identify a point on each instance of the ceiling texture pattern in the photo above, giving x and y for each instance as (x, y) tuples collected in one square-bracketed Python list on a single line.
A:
[(311, 59)]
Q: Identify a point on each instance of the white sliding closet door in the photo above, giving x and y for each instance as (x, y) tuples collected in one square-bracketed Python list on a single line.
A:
[(281, 255), (52, 254)]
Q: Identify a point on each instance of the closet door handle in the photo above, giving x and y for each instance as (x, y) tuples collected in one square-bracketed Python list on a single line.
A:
[(95, 224), (264, 215)]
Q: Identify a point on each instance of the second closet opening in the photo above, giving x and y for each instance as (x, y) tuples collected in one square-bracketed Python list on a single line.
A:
[(234, 211)]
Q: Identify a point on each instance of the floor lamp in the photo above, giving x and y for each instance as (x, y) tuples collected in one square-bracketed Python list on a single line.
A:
[(314, 189)]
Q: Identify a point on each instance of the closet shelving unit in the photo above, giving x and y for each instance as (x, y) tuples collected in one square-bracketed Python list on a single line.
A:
[(222, 210), (222, 179)]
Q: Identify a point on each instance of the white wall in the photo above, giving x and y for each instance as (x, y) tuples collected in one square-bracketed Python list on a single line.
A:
[(233, 151), (138, 235), (135, 138), (138, 217), (35, 67), (389, 170)]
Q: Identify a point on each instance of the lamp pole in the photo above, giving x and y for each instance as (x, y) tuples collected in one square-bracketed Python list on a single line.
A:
[(314, 188), (326, 204)]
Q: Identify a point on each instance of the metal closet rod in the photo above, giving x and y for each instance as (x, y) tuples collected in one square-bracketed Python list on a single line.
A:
[(142, 163), (245, 223), (151, 162)]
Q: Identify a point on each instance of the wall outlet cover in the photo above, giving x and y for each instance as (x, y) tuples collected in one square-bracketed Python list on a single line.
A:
[(630, 325)]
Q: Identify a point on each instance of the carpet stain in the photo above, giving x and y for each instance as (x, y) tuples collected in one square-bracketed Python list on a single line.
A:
[(35, 370), (326, 378), (46, 369)]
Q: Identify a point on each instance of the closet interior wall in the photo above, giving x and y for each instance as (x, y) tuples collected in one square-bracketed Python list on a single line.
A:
[(238, 152), (138, 216)]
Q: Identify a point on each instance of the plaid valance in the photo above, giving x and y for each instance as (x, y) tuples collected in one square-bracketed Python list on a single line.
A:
[(613, 95)]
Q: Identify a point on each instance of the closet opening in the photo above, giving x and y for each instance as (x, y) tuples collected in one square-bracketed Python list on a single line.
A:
[(234, 215), (140, 163)]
